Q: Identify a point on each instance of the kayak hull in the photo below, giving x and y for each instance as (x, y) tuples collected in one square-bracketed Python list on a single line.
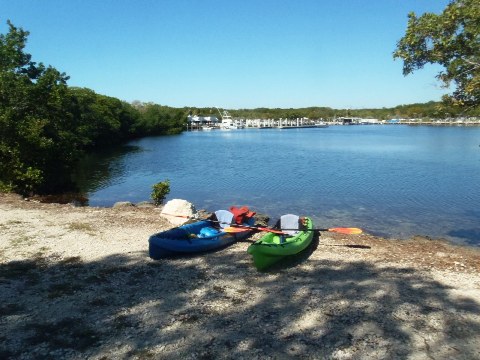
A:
[(272, 247), (191, 238)]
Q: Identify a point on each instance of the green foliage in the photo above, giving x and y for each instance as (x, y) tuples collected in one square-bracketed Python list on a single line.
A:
[(160, 120), (45, 126), (5, 188), (265, 113), (35, 151), (101, 120), (160, 191), (450, 39)]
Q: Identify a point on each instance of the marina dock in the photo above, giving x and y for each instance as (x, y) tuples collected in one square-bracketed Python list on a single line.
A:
[(212, 123)]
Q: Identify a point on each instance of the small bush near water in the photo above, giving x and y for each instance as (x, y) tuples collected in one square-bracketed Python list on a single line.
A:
[(160, 190)]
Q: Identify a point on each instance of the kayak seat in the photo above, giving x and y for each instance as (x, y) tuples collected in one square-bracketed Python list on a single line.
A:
[(224, 218), (290, 222)]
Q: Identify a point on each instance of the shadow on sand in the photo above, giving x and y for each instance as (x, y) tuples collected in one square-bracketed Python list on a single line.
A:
[(219, 306)]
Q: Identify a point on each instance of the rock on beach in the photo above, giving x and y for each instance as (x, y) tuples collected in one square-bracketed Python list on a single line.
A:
[(178, 211)]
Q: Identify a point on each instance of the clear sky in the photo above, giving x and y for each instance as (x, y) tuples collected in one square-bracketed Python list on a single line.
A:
[(230, 53)]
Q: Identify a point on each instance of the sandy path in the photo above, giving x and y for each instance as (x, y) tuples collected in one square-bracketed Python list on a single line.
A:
[(78, 283)]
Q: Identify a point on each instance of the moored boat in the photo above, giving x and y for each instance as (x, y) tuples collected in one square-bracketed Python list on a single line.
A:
[(272, 247), (204, 235)]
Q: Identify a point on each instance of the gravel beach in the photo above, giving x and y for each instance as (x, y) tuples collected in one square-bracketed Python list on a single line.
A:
[(77, 283)]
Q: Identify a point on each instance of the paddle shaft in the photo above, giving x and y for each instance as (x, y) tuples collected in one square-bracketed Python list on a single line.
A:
[(331, 230), (213, 221), (180, 216), (196, 218), (338, 230)]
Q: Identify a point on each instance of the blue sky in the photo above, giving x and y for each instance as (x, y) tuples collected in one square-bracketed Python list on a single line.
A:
[(228, 53)]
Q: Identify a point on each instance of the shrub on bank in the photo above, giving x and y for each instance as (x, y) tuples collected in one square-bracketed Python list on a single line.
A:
[(160, 191)]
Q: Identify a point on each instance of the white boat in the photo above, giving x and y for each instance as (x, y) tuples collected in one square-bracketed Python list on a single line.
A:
[(239, 124), (207, 128), (227, 122)]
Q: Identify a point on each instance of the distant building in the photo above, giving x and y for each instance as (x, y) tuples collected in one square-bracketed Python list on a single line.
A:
[(369, 121), (202, 119), (349, 120)]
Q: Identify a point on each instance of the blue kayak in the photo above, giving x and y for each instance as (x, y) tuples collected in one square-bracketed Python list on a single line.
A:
[(204, 235)]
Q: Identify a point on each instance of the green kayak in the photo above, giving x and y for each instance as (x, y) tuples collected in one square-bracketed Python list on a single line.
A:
[(273, 247)]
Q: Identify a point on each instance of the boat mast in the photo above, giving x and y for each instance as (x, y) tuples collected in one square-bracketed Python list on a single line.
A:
[(219, 112), (225, 114)]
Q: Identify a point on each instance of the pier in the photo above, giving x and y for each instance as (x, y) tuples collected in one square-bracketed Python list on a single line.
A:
[(211, 122), (461, 121), (208, 123)]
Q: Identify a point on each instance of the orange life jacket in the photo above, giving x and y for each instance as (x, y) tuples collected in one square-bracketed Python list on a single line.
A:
[(242, 214)]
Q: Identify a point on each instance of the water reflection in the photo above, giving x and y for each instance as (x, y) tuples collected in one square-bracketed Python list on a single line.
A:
[(100, 170)]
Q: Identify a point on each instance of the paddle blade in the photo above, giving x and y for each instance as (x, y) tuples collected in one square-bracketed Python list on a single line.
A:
[(350, 231), (232, 229)]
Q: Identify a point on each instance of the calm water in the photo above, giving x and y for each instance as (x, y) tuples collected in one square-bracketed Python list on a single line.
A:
[(393, 181)]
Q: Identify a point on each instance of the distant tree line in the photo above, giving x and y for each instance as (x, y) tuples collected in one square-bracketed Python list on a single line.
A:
[(431, 109), (45, 125)]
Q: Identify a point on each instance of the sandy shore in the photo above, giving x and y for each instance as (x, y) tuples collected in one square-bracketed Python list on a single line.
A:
[(78, 283)]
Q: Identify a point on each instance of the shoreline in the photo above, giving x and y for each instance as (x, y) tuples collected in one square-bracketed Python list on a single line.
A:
[(78, 200), (77, 282)]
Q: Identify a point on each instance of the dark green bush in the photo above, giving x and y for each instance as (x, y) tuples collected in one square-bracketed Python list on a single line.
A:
[(160, 190)]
